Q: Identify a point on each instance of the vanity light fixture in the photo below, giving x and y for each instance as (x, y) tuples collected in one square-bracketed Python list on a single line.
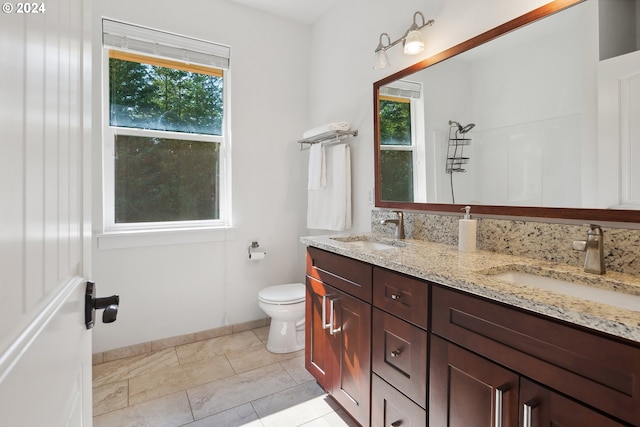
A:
[(381, 59), (411, 40)]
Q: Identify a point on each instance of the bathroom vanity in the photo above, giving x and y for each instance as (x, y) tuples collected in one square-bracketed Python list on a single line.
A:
[(486, 338), (409, 332)]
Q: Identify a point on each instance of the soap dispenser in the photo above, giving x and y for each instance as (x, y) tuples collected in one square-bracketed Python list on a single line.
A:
[(467, 231)]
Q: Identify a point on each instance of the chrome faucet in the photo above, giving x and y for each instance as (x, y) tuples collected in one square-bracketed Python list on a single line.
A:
[(594, 258), (398, 222)]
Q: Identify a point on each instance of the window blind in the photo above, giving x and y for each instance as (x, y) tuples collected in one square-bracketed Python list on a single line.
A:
[(129, 37), (403, 88)]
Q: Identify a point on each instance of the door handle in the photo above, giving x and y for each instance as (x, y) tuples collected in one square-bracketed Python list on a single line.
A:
[(499, 395), (527, 410), (332, 331), (325, 325), (91, 304)]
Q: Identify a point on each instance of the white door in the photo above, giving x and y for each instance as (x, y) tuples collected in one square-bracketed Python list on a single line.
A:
[(45, 348), (619, 131)]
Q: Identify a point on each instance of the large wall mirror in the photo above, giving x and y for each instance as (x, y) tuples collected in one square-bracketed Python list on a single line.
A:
[(537, 118)]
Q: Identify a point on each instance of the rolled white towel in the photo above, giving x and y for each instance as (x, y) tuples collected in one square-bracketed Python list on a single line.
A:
[(326, 128)]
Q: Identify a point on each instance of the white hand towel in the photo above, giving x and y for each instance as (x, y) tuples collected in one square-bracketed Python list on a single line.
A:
[(326, 128), (330, 208), (317, 168)]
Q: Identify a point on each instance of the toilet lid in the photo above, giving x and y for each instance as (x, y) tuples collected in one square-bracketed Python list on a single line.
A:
[(283, 294)]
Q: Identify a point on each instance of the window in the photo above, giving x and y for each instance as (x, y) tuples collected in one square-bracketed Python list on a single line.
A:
[(166, 149), (396, 154), (402, 145)]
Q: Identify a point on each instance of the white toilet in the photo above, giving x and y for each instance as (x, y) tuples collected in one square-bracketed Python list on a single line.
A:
[(285, 305)]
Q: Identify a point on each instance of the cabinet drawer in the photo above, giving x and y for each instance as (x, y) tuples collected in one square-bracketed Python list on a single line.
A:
[(349, 275), (399, 353), (389, 407), (594, 369), (403, 296)]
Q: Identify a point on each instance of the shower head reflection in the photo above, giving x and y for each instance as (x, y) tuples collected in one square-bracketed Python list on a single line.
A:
[(462, 129)]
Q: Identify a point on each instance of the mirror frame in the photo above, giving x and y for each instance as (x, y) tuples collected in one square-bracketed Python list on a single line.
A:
[(583, 214)]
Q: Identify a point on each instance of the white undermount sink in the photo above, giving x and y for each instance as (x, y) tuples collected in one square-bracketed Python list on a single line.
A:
[(369, 242), (372, 245), (591, 293)]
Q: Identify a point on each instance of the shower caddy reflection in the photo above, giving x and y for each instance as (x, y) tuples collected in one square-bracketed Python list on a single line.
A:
[(455, 151)]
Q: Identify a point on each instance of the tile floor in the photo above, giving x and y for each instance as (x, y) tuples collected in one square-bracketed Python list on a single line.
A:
[(228, 381)]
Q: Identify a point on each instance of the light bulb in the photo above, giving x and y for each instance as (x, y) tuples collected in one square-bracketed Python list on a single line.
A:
[(381, 60), (413, 43)]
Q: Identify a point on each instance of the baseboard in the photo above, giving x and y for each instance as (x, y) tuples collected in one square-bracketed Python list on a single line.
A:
[(161, 344)]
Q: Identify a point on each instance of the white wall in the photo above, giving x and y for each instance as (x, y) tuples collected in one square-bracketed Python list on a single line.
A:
[(174, 289), (539, 145), (342, 78), (177, 289)]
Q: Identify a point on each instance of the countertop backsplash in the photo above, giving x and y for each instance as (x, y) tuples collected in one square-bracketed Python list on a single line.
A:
[(537, 240)]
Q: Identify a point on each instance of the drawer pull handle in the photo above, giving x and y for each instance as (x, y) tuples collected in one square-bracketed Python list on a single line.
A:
[(527, 409), (498, 415), (395, 353), (396, 296), (396, 423)]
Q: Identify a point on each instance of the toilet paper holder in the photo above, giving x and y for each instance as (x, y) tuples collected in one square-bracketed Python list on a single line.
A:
[(255, 254)]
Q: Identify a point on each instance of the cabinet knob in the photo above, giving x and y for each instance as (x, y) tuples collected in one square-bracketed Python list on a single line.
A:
[(395, 353), (396, 423), (396, 296)]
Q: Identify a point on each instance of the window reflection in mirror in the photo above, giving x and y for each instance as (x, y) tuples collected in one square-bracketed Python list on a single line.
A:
[(396, 155), (402, 172)]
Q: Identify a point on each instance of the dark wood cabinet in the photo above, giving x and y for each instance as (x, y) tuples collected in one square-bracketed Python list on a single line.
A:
[(338, 337), (394, 350), (467, 390), (589, 369)]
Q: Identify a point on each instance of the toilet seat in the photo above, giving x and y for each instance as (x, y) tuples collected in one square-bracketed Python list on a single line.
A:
[(292, 293)]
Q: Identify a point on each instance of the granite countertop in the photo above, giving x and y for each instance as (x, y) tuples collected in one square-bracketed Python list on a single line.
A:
[(473, 272)]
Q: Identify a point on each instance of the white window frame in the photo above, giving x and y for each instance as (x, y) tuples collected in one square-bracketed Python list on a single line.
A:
[(108, 164), (414, 93)]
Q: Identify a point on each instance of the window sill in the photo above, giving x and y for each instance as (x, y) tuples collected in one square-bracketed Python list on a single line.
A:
[(138, 239)]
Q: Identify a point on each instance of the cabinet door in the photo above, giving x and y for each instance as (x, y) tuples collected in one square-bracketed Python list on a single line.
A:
[(467, 390), (350, 333), (318, 357), (338, 346), (543, 407)]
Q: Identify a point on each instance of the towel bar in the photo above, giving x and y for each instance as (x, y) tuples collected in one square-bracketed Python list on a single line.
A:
[(327, 138)]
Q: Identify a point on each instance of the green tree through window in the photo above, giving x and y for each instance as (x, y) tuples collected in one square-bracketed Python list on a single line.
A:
[(153, 97), (396, 163), (174, 175)]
